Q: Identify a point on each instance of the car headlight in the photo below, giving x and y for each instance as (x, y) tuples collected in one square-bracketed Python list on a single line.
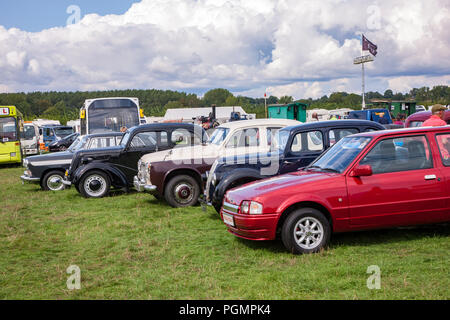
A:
[(25, 163), (251, 207)]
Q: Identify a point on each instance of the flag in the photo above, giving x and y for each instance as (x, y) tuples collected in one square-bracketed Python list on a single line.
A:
[(367, 45)]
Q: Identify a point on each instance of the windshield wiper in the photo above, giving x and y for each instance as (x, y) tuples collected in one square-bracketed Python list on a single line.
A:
[(322, 169), (330, 170), (312, 167)]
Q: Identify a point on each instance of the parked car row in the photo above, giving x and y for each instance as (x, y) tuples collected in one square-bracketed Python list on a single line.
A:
[(269, 178), (48, 169)]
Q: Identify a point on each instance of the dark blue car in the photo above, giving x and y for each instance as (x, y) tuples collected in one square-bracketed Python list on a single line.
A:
[(292, 148)]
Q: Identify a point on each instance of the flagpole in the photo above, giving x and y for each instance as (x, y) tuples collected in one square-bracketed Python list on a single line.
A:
[(365, 45), (363, 76), (363, 88), (265, 103)]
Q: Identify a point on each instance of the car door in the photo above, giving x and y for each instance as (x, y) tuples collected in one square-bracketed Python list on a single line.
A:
[(140, 144), (443, 156), (305, 146), (405, 187)]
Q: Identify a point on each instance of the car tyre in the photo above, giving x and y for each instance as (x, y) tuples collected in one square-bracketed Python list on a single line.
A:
[(182, 191), (217, 206), (306, 230), (53, 181), (94, 184)]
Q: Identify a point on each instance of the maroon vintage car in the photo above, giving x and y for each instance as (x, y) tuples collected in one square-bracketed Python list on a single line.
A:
[(416, 119), (369, 180)]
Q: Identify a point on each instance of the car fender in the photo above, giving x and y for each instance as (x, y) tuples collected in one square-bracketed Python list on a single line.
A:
[(190, 170), (228, 179), (308, 199), (114, 174)]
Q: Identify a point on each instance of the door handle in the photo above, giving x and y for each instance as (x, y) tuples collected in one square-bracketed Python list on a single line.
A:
[(430, 177)]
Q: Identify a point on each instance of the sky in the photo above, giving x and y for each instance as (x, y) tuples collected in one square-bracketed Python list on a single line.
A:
[(300, 48)]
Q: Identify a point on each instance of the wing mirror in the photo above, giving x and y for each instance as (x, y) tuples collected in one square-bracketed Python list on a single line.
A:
[(362, 171)]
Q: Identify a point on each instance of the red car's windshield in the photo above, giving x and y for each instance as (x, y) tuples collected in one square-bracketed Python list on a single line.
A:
[(339, 157)]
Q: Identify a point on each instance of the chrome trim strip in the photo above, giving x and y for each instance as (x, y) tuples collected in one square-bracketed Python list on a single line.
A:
[(230, 207)]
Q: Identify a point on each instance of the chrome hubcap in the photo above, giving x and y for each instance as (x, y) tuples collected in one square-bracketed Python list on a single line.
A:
[(95, 185), (308, 233), (54, 182), (184, 193)]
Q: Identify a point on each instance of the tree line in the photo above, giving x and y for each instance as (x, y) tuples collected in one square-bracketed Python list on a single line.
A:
[(64, 106)]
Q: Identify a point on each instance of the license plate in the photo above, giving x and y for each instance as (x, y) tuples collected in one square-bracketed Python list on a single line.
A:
[(228, 219)]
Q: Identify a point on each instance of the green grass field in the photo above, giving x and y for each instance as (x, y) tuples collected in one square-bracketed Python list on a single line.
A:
[(130, 246)]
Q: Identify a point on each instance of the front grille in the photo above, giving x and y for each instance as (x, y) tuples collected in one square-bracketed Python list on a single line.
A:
[(141, 171), (230, 207)]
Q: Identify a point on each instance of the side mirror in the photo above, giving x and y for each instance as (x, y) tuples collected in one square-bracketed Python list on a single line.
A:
[(361, 171)]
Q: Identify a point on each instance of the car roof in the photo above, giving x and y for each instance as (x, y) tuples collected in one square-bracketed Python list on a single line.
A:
[(403, 131), (177, 125), (258, 122), (55, 126), (335, 123), (424, 115), (109, 134)]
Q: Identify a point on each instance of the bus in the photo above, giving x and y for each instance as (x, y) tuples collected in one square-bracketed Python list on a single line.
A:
[(11, 127), (110, 115)]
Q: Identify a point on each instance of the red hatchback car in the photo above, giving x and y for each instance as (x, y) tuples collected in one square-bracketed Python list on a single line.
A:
[(370, 180)]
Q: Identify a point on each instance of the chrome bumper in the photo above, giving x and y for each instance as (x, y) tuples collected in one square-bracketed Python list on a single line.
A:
[(67, 183), (26, 178), (142, 187), (31, 151)]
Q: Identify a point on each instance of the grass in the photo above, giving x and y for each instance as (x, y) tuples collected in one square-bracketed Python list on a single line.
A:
[(131, 246)]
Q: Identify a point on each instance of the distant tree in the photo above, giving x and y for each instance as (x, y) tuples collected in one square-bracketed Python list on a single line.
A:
[(398, 96), (388, 94), (285, 99), (173, 105), (216, 96), (272, 100), (231, 101)]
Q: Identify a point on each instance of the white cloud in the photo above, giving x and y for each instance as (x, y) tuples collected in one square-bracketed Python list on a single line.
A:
[(299, 48)]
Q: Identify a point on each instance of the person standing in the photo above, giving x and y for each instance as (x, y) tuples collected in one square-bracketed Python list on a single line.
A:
[(399, 120), (437, 117)]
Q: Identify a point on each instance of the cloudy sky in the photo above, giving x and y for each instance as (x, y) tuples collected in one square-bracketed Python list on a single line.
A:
[(284, 47)]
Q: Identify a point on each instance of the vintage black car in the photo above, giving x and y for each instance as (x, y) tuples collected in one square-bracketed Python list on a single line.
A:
[(48, 169), (64, 143), (94, 172), (293, 148)]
